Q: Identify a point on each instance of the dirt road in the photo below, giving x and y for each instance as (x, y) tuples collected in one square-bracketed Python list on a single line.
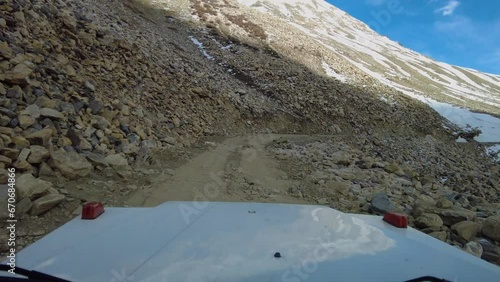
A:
[(238, 169)]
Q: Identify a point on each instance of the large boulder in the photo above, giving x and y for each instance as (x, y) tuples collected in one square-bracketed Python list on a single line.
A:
[(45, 203), (96, 159), (71, 164), (467, 230), (491, 228), (474, 248), (38, 154), (118, 162), (19, 74), (449, 215), (27, 186), (40, 137), (381, 204), (427, 220), (23, 206), (491, 252), (51, 113)]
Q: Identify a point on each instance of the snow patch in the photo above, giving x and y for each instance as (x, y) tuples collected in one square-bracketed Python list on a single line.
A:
[(227, 47), (331, 73), (489, 125), (201, 47), (494, 150)]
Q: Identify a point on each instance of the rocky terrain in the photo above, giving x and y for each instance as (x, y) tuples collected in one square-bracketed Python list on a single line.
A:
[(120, 101)]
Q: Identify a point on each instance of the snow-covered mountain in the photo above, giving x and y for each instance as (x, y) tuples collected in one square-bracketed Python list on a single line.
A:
[(381, 58), (331, 42)]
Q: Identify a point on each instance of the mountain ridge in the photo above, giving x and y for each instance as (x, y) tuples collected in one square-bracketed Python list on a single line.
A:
[(351, 45)]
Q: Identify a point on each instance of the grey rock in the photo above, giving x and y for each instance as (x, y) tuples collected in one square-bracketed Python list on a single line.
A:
[(126, 174), (169, 140), (40, 137), (130, 149), (491, 228), (10, 153), (381, 204), (322, 201), (133, 138), (391, 167), (32, 110), (46, 203), (241, 91), (100, 122), (176, 121), (8, 112), (341, 158), (467, 230), (38, 154), (124, 128), (118, 162), (89, 86), (96, 159), (22, 165), (96, 106), (449, 216), (27, 186), (474, 248), (23, 206), (26, 121), (67, 108), (85, 145), (139, 112), (5, 160), (452, 216), (47, 122), (125, 110), (45, 170), (13, 93), (491, 252), (51, 113), (428, 220), (444, 203), (71, 164), (338, 187), (23, 155), (346, 174), (440, 235)]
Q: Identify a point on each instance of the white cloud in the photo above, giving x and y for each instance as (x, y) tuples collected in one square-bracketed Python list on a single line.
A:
[(456, 23), (449, 8)]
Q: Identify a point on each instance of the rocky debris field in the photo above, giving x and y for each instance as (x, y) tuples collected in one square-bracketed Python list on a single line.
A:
[(82, 91), (76, 97), (107, 101), (460, 208), (302, 169)]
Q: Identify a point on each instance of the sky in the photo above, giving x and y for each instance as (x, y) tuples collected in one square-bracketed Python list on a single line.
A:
[(459, 32)]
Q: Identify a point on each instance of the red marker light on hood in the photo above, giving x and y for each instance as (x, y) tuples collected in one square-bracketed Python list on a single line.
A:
[(398, 220), (92, 210)]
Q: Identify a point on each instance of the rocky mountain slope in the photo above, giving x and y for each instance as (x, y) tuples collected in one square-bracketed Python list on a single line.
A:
[(100, 98), (336, 44), (353, 42)]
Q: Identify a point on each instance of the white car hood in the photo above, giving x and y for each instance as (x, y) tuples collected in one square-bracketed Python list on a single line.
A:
[(185, 241)]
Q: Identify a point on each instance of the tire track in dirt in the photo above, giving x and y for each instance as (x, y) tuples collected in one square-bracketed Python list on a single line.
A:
[(238, 169)]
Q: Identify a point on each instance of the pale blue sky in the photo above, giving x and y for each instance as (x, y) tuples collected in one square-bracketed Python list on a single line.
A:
[(459, 32)]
